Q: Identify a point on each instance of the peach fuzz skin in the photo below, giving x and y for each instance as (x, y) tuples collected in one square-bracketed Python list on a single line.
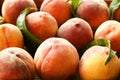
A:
[(59, 9), (77, 31), (16, 64), (10, 36), (92, 65), (41, 24), (56, 59), (111, 31), (94, 12), (11, 9)]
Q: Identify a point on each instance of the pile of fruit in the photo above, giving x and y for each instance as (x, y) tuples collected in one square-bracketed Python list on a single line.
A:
[(60, 40)]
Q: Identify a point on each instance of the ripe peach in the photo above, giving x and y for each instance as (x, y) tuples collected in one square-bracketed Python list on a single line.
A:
[(77, 31), (41, 24), (12, 8), (59, 9), (94, 12), (56, 59), (92, 64), (110, 30), (16, 64), (38, 3), (10, 36)]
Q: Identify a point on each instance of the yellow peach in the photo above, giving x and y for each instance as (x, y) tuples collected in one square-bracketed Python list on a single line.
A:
[(92, 64)]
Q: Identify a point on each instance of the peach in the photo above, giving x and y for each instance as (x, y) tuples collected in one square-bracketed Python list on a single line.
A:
[(56, 59), (110, 30), (38, 3), (92, 64), (41, 24), (16, 64), (12, 8), (59, 9), (77, 31), (94, 12), (10, 36)]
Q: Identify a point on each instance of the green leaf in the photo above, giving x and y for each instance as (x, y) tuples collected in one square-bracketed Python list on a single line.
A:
[(99, 42), (102, 42), (113, 6), (30, 40), (74, 6), (112, 53)]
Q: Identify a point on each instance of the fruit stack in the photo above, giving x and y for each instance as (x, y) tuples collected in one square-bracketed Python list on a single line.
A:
[(60, 40)]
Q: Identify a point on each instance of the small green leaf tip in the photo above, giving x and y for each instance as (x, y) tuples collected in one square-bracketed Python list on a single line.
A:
[(74, 6)]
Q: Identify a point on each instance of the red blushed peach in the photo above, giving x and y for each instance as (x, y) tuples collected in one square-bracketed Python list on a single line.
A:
[(10, 36), (41, 24), (59, 9), (94, 12), (16, 64), (77, 31), (56, 59), (11, 9), (92, 64), (111, 31)]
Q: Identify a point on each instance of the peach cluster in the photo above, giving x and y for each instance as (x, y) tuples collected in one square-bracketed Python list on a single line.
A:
[(65, 30)]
